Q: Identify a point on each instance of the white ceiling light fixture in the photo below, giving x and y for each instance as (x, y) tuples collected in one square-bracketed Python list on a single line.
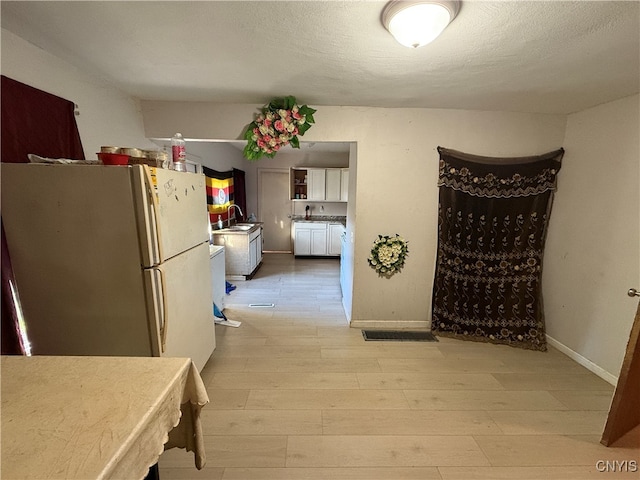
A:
[(416, 23)]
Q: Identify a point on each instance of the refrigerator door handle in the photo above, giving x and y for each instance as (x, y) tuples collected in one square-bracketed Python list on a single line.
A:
[(165, 314), (155, 207)]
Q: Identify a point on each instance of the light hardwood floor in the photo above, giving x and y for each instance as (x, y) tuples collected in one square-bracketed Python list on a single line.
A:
[(296, 394)]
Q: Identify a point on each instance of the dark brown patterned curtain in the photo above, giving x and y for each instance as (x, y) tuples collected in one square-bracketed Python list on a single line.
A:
[(492, 222)]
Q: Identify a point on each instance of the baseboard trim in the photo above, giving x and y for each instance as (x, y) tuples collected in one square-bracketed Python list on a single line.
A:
[(389, 324), (585, 362)]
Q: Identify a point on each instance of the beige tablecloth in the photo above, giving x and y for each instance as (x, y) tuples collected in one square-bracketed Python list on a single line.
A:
[(97, 417)]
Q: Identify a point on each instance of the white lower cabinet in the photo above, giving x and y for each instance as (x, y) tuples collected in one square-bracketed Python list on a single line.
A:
[(310, 238), (320, 238), (243, 252)]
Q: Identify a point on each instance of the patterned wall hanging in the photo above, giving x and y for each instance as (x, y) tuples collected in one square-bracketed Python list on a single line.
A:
[(492, 222)]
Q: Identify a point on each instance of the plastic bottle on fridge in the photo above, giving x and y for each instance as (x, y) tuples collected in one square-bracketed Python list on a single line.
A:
[(178, 152)]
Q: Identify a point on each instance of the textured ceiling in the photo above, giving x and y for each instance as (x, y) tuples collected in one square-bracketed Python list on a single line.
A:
[(526, 56)]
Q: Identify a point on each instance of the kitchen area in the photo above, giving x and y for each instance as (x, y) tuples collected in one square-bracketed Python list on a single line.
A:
[(317, 232), (298, 202)]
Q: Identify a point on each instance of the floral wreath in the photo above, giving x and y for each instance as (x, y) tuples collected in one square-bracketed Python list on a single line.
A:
[(388, 255), (279, 124)]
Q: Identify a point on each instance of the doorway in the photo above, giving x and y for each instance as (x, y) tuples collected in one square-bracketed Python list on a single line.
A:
[(274, 209)]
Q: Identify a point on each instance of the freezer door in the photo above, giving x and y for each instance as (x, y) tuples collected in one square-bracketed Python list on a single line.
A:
[(172, 210), (183, 306)]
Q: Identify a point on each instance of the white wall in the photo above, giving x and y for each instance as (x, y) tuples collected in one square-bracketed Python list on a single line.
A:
[(107, 116), (397, 169), (593, 248)]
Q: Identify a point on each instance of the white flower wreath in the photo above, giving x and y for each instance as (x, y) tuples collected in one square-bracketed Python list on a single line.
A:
[(388, 254)]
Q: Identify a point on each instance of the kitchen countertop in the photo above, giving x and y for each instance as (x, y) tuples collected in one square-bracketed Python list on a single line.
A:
[(320, 219)]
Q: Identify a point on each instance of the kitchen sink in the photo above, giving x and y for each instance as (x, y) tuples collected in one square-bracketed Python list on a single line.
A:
[(238, 227), (242, 226)]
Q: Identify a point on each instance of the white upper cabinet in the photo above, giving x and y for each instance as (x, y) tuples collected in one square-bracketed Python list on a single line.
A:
[(332, 184), (320, 184), (316, 183)]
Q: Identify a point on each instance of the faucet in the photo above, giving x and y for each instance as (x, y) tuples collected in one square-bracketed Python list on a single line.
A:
[(229, 212)]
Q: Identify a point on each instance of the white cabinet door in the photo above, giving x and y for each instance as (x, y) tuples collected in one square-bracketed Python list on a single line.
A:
[(319, 240), (333, 184), (334, 236), (316, 184), (253, 255), (344, 185), (259, 245), (255, 250), (302, 241)]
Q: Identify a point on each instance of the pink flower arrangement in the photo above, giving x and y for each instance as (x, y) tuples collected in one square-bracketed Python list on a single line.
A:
[(279, 124)]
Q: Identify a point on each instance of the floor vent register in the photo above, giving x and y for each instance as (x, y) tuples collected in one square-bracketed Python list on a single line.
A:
[(398, 336)]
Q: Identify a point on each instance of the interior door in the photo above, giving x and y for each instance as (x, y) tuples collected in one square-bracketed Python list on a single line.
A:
[(274, 209), (624, 413)]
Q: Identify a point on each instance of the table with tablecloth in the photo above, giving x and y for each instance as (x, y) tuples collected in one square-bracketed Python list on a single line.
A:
[(97, 417)]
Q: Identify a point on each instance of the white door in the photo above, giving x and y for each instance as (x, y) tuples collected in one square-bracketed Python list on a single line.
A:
[(185, 295), (274, 209), (178, 211)]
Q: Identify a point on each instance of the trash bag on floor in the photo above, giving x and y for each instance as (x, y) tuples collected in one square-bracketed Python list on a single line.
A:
[(229, 287)]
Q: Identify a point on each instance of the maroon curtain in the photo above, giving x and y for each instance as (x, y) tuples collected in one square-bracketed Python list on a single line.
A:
[(37, 122), (240, 197)]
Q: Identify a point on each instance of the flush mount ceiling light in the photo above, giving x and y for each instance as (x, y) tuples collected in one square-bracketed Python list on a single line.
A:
[(416, 23)]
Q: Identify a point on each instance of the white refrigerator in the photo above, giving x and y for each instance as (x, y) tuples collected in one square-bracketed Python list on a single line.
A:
[(110, 260)]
